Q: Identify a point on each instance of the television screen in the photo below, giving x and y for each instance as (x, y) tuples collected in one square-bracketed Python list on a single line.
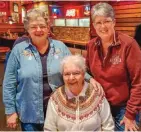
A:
[(72, 22), (84, 22), (59, 22)]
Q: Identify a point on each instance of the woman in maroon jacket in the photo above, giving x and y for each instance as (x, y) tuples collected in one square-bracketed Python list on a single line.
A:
[(114, 59)]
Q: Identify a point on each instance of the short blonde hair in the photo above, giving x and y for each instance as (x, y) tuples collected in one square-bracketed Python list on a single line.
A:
[(34, 14), (77, 60)]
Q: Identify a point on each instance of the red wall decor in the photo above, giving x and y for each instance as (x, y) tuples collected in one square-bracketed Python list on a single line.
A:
[(73, 11), (3, 6)]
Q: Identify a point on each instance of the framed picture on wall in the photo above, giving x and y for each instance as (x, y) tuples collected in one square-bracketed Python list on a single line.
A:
[(15, 17), (15, 7)]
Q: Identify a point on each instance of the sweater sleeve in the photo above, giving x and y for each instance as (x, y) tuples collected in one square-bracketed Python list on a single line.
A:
[(106, 117), (51, 117), (133, 63)]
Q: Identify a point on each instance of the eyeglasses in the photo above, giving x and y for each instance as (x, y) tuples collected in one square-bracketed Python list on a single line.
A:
[(35, 27), (74, 74), (105, 23)]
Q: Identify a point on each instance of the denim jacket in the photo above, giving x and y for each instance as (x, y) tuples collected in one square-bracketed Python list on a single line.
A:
[(23, 79)]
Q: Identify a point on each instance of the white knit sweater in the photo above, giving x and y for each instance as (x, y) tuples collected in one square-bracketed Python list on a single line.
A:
[(89, 111)]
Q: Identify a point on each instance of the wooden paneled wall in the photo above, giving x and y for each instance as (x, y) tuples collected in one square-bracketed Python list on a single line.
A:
[(128, 16)]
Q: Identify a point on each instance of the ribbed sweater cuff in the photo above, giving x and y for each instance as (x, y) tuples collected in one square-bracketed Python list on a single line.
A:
[(130, 115)]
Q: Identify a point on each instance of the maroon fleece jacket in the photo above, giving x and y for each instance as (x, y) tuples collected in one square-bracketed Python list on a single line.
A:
[(119, 72)]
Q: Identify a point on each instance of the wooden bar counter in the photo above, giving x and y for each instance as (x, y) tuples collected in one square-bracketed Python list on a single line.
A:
[(72, 35), (82, 43), (14, 28)]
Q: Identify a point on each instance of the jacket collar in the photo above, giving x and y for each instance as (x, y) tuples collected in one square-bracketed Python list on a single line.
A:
[(116, 41), (70, 95), (49, 39)]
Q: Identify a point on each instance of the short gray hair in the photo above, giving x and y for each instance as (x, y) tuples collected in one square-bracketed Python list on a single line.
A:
[(77, 60), (33, 14), (102, 9)]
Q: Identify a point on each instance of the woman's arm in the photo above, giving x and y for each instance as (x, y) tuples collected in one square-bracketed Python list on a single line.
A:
[(133, 65), (9, 91), (10, 84)]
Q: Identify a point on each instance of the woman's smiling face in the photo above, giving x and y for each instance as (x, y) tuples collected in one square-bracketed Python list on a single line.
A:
[(73, 77), (38, 29), (104, 26)]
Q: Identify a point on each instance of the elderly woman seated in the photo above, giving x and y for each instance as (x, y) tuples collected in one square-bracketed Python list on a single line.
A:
[(77, 106)]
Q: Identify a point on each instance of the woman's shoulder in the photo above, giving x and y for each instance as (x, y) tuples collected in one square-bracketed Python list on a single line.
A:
[(58, 96), (96, 94), (21, 43), (56, 42), (93, 42), (58, 45), (125, 39), (21, 39), (58, 91), (19, 47)]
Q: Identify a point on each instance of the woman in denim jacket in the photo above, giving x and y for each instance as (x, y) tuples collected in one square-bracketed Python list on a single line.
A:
[(32, 73)]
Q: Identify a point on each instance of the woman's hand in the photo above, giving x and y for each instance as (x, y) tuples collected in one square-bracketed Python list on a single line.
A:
[(130, 125), (12, 120), (96, 85)]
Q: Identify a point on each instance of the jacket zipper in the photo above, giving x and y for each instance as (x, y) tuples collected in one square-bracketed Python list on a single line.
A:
[(77, 111)]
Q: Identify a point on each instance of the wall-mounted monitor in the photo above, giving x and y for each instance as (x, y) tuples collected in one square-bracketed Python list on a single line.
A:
[(59, 22), (72, 22), (84, 22)]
